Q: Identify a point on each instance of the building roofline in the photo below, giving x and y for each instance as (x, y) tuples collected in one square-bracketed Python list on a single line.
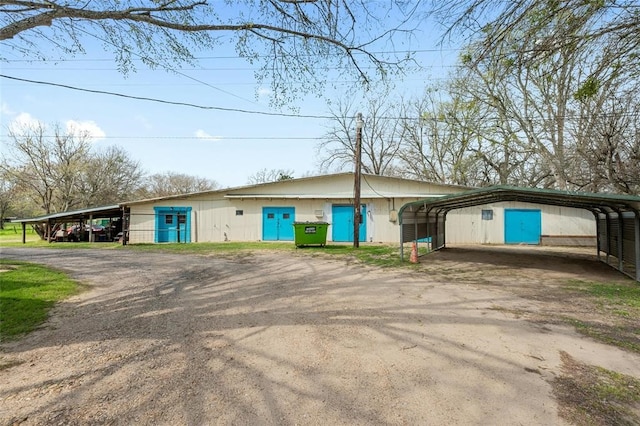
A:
[(302, 179)]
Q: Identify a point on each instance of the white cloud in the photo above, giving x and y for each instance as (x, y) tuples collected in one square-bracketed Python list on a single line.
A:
[(143, 122), (264, 91), (88, 127), (201, 134), (23, 120), (6, 110)]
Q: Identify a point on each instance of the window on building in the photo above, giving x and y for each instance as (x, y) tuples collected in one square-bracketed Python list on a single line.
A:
[(239, 212), (168, 219), (487, 214)]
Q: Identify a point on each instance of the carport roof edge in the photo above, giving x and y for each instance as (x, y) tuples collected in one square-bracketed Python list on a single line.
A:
[(589, 201), (98, 212)]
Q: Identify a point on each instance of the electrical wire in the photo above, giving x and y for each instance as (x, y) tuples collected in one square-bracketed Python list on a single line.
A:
[(163, 101), (272, 114), (199, 58), (201, 138)]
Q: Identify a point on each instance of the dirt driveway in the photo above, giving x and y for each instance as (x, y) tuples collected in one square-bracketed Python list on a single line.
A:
[(283, 339)]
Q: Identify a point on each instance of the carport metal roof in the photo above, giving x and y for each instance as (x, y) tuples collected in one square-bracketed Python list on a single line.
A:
[(617, 218), (593, 202), (104, 212)]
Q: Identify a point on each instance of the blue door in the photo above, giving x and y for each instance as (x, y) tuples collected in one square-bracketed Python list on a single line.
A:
[(277, 223), (342, 226), (522, 226), (173, 224)]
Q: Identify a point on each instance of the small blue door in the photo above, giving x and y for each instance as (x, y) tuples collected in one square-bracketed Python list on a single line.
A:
[(173, 224), (522, 226), (277, 223), (342, 226)]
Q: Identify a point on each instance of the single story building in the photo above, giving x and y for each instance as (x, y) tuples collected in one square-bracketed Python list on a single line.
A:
[(266, 212), (394, 210)]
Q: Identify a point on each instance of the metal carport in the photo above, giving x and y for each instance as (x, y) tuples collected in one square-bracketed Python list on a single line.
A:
[(104, 212), (617, 219)]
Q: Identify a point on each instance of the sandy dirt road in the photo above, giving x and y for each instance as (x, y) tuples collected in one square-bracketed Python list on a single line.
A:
[(285, 339)]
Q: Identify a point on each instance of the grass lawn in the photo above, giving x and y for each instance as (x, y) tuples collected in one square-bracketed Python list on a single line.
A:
[(27, 293), (12, 233)]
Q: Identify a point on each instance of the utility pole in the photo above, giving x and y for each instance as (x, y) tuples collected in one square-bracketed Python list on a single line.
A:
[(357, 218)]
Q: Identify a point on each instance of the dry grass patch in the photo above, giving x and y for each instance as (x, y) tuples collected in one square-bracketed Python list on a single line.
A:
[(590, 395)]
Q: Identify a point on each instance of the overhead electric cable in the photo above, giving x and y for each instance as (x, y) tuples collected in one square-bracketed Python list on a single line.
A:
[(162, 101), (273, 114), (226, 57), (156, 63)]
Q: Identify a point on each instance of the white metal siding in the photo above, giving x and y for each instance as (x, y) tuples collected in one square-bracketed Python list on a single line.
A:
[(214, 213), (465, 226)]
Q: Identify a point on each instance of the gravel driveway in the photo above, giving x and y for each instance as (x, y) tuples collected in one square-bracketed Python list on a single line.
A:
[(281, 339)]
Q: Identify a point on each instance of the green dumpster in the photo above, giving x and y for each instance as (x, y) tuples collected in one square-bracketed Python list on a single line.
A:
[(310, 233)]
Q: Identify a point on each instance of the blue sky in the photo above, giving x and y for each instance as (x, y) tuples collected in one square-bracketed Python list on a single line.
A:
[(227, 147)]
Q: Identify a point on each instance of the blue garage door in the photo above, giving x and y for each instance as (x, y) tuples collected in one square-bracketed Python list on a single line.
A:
[(342, 226), (277, 223), (173, 224), (522, 226)]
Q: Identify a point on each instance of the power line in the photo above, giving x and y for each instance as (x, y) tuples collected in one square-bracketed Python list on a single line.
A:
[(202, 138), (199, 58), (162, 101), (231, 69), (150, 60), (275, 114), (337, 83)]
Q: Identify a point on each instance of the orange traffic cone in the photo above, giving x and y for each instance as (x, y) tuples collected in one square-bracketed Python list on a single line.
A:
[(414, 253)]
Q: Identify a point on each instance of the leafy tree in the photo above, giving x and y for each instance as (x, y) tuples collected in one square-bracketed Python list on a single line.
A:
[(292, 40), (534, 23), (537, 102), (273, 175), (173, 183)]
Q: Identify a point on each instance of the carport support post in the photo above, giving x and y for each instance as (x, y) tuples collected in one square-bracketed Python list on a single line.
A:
[(90, 228), (24, 233), (608, 227), (637, 245), (598, 229), (124, 226), (620, 241)]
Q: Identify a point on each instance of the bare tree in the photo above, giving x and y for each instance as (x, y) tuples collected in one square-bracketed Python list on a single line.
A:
[(58, 170), (7, 193), (272, 175), (437, 137), (111, 176), (609, 147), (47, 166), (172, 183), (381, 136), (292, 40)]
